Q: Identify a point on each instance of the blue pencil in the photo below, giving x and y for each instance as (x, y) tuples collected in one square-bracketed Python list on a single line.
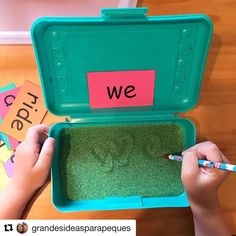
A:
[(205, 163)]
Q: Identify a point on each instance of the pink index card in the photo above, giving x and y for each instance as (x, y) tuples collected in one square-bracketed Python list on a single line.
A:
[(6, 100), (14, 142), (121, 88)]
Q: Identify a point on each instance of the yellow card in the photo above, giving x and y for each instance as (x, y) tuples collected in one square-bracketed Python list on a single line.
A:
[(5, 153), (3, 177)]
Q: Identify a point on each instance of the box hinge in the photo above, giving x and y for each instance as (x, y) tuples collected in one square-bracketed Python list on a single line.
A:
[(126, 117)]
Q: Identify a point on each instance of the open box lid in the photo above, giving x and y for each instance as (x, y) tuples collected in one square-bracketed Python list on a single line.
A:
[(175, 47)]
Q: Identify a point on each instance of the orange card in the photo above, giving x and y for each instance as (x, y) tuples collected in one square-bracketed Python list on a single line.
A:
[(27, 110)]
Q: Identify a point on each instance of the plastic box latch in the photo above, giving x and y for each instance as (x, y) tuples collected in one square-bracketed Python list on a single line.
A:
[(124, 13)]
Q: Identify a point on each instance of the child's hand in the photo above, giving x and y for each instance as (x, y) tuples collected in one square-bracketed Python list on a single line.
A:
[(202, 183), (33, 159)]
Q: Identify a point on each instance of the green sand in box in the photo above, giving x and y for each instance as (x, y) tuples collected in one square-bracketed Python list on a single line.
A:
[(123, 160)]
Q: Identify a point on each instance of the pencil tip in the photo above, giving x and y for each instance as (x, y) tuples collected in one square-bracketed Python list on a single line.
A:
[(166, 156)]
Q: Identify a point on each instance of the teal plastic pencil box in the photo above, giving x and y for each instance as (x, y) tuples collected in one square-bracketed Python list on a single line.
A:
[(122, 68)]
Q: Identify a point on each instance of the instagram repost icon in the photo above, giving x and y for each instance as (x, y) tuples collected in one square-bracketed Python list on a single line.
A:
[(8, 227), (22, 228)]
